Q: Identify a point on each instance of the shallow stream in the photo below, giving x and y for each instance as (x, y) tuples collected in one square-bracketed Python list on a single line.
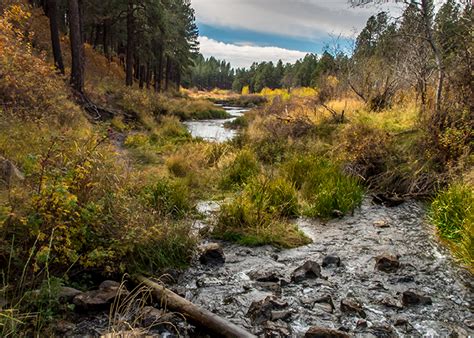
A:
[(426, 268)]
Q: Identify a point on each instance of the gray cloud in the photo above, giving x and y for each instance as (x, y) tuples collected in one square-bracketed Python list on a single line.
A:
[(295, 18)]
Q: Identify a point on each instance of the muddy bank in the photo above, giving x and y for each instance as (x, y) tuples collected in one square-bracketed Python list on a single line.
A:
[(385, 275)]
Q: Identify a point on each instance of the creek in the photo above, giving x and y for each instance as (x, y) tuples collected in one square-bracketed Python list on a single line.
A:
[(424, 268), (214, 130)]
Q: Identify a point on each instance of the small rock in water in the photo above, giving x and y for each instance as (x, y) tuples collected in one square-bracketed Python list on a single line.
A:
[(101, 298), (264, 276), (412, 298), (309, 270), (262, 310), (280, 315), (386, 200), (212, 254), (322, 332), (387, 263), (352, 305), (391, 302), (381, 224), (331, 260), (325, 303), (276, 330)]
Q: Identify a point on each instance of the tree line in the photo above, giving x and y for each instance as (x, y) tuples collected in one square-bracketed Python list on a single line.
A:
[(155, 40)]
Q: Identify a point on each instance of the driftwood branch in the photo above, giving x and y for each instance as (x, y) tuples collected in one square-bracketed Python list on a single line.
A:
[(197, 314)]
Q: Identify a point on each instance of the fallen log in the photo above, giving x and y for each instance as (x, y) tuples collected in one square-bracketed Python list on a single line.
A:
[(195, 313)]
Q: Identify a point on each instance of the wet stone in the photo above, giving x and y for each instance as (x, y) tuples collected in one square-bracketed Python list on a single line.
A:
[(309, 270), (276, 330), (410, 298), (392, 302), (280, 315), (387, 263), (381, 224), (322, 332), (325, 303), (211, 254), (353, 306), (331, 261), (262, 310), (264, 276)]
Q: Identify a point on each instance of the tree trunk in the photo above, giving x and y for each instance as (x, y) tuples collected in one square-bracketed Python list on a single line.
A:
[(141, 75), (54, 29), (159, 71), (167, 73), (77, 47), (130, 45), (105, 41), (149, 75), (427, 8), (202, 316)]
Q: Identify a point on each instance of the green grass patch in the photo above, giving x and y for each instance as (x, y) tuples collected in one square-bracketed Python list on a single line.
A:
[(172, 248), (259, 215), (237, 123), (452, 212), (244, 166), (324, 186), (169, 198)]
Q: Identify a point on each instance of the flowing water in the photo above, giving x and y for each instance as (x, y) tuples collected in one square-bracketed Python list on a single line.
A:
[(426, 268), (214, 130)]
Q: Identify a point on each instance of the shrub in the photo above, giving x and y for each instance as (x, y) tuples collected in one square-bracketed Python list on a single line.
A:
[(244, 166), (169, 198)]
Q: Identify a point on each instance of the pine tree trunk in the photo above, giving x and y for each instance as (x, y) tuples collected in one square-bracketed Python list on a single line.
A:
[(167, 73), (77, 47), (54, 29), (105, 41), (130, 45)]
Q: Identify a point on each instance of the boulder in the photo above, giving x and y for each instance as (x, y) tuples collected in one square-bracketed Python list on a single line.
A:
[(352, 305), (264, 310), (410, 298), (322, 332), (9, 173), (100, 299), (309, 270), (387, 263), (211, 254), (331, 261), (67, 294)]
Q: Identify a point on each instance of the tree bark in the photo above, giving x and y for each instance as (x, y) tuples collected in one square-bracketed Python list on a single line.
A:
[(77, 47), (105, 41), (130, 45), (202, 316), (52, 13)]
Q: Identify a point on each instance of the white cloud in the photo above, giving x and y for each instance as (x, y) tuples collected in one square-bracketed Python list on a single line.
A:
[(295, 18), (245, 55)]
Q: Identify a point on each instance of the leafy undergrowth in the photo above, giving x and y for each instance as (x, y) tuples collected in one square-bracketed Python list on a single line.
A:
[(452, 211)]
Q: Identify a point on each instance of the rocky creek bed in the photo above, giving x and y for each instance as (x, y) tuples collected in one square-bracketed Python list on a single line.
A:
[(379, 272)]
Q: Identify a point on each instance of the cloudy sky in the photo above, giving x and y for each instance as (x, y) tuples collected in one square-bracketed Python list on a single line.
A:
[(243, 31)]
